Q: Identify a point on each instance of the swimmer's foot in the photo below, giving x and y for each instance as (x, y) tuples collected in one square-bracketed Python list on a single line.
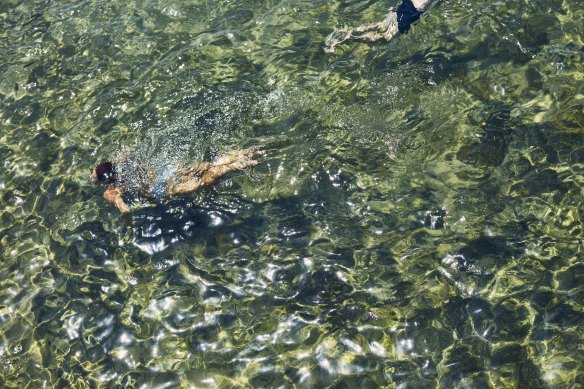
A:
[(234, 160), (384, 30), (237, 159)]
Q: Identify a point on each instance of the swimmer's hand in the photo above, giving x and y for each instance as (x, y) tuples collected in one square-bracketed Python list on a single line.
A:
[(385, 30), (114, 196)]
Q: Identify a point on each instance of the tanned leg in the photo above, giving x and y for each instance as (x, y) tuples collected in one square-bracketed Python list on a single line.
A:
[(207, 173), (384, 30), (396, 22)]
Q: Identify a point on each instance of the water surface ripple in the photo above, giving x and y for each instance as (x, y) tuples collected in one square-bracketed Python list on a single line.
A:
[(414, 222)]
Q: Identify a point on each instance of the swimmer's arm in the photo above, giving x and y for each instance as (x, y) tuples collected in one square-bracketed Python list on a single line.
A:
[(114, 196)]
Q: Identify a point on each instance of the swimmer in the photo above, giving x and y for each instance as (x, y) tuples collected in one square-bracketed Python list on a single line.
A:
[(122, 176), (396, 22)]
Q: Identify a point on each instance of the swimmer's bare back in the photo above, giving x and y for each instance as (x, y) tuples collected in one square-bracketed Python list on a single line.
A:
[(396, 22), (184, 179)]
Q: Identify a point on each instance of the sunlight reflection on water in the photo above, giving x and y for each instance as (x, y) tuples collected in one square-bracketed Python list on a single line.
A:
[(414, 220)]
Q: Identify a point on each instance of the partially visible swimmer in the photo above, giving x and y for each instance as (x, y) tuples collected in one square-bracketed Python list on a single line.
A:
[(396, 22), (123, 176)]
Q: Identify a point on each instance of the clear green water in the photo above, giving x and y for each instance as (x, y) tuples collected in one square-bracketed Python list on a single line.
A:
[(416, 223)]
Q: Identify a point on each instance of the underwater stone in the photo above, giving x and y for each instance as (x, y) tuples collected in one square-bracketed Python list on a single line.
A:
[(571, 278), (543, 299), (512, 321), (462, 361), (508, 354), (44, 148), (489, 151)]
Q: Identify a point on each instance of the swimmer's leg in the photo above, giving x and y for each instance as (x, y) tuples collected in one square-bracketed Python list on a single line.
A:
[(395, 23), (207, 173), (384, 30)]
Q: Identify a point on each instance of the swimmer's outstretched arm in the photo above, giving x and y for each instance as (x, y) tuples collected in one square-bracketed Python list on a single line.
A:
[(396, 22), (207, 173), (113, 195)]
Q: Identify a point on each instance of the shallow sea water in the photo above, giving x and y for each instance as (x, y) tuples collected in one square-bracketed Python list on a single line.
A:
[(415, 221)]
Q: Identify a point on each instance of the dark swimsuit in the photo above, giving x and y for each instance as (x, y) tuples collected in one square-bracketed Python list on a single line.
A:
[(407, 14)]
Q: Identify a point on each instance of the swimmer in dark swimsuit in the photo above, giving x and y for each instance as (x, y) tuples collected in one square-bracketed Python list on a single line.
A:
[(396, 22), (121, 177)]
